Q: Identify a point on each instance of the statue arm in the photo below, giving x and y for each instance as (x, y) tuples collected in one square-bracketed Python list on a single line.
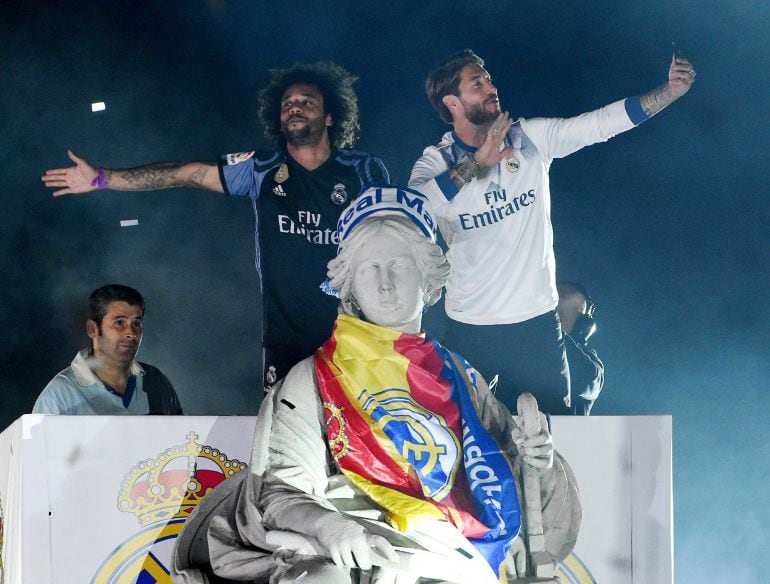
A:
[(296, 468), (296, 478), (559, 495)]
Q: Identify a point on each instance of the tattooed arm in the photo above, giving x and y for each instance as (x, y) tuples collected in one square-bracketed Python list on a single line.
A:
[(83, 177), (681, 75)]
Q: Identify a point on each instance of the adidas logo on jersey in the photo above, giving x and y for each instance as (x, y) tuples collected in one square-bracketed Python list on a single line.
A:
[(278, 191)]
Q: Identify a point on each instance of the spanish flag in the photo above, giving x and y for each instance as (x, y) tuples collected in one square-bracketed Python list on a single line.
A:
[(404, 427)]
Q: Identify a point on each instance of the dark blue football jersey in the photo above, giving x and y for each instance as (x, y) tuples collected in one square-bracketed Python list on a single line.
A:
[(296, 218)]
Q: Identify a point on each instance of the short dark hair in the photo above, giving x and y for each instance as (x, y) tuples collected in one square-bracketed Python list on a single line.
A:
[(336, 87), (101, 298), (445, 80)]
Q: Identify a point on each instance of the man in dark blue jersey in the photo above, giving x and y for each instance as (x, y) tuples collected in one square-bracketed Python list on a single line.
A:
[(310, 112)]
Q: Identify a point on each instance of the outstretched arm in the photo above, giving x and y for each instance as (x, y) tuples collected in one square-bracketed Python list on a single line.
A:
[(560, 137), (84, 178), (681, 75)]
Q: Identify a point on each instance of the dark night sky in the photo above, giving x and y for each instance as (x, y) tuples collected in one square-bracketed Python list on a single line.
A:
[(667, 225)]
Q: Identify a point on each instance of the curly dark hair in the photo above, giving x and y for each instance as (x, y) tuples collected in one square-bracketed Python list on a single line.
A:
[(336, 87), (444, 79)]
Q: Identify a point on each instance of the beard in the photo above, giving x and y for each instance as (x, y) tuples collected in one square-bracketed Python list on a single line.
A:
[(308, 135), (478, 115)]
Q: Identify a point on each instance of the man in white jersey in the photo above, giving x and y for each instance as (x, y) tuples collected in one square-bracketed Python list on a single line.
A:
[(487, 183)]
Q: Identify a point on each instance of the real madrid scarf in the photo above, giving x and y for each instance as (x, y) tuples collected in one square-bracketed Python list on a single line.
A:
[(404, 427)]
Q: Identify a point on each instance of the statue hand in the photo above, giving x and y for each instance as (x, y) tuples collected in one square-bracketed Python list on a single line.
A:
[(349, 544), (531, 435)]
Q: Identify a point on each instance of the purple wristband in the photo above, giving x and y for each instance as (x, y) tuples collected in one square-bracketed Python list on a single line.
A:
[(100, 180)]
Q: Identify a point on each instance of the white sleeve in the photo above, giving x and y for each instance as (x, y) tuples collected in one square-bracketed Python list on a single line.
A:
[(560, 137), (430, 176), (51, 399)]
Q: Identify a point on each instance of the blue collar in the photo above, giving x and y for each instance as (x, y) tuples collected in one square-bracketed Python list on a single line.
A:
[(468, 148), (462, 145), (126, 397)]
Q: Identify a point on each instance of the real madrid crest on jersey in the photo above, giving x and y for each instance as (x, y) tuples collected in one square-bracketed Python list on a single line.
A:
[(271, 376), (282, 175), (512, 164), (339, 194)]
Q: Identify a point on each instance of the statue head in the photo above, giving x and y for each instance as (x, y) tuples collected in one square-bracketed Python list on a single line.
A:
[(387, 270)]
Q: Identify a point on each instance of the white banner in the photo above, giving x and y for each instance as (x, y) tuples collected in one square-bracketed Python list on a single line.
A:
[(101, 499)]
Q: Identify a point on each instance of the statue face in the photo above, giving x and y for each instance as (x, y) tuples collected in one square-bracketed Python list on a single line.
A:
[(387, 282)]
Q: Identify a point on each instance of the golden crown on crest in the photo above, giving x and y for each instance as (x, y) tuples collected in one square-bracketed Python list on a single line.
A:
[(172, 484)]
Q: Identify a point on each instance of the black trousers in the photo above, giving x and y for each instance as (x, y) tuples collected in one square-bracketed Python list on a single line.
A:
[(527, 356)]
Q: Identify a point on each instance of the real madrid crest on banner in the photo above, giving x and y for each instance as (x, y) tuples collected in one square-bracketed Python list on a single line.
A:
[(422, 437), (162, 492), (339, 194)]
